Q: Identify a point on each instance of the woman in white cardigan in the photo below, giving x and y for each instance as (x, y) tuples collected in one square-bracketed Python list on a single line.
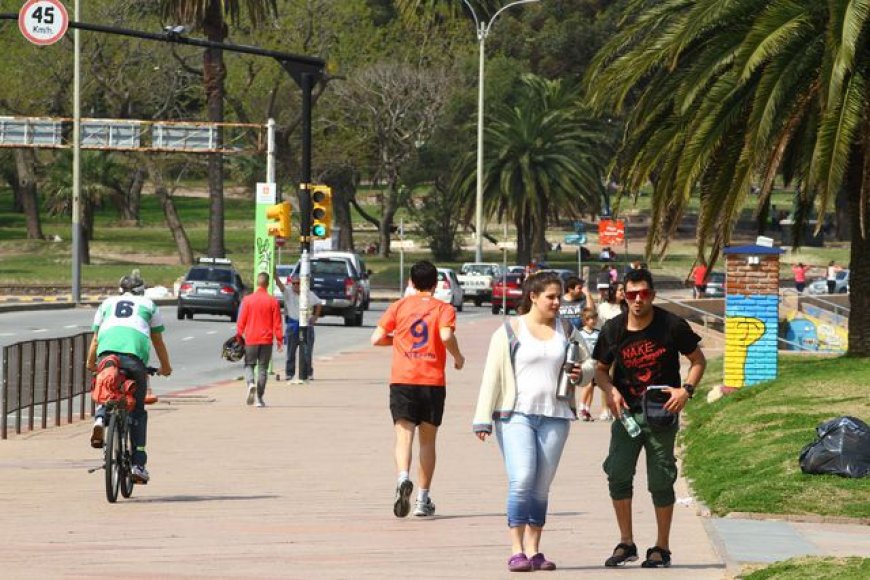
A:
[(518, 395)]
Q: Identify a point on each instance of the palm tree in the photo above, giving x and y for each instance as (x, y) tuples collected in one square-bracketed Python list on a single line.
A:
[(717, 93), (212, 17), (543, 160)]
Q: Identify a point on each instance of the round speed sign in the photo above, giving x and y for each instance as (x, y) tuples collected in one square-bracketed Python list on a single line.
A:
[(43, 22)]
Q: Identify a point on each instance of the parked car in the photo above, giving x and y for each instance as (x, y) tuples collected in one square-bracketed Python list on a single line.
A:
[(340, 286), (449, 289), (715, 285), (212, 286), (507, 292), (476, 280), (820, 285), (360, 266), (516, 270)]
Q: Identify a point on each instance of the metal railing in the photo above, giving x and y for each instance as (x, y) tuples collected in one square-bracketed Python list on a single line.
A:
[(45, 378)]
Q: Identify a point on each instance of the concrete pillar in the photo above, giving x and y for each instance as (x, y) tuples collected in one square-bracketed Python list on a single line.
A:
[(751, 315)]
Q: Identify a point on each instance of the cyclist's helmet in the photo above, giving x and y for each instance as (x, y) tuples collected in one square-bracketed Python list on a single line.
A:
[(132, 284), (234, 349)]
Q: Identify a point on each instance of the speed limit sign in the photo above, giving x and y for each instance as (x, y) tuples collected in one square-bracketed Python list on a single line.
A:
[(43, 22)]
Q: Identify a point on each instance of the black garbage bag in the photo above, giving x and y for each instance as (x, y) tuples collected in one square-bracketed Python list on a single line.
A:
[(843, 448)]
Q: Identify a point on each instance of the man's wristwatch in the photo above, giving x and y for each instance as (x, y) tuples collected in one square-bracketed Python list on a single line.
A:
[(690, 388)]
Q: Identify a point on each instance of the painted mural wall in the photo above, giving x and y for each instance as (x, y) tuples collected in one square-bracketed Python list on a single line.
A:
[(751, 315)]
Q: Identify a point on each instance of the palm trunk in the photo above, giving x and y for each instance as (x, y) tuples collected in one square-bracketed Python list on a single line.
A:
[(524, 246), (858, 182), (213, 75), (25, 167)]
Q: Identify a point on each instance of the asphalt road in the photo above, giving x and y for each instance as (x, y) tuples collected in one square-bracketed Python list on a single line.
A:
[(194, 345)]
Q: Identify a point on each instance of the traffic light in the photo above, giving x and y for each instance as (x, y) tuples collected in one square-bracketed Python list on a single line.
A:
[(280, 214), (321, 211)]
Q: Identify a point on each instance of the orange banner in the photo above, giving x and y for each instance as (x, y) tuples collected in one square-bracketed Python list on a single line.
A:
[(611, 232)]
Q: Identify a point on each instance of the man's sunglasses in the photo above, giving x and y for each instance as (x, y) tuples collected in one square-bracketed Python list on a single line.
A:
[(644, 293)]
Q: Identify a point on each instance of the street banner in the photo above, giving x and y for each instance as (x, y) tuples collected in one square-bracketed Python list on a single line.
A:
[(611, 232), (264, 244)]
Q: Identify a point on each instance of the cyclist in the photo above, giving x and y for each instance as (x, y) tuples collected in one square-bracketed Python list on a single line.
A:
[(127, 326)]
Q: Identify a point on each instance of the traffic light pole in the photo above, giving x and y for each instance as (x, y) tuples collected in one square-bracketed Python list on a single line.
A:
[(306, 84)]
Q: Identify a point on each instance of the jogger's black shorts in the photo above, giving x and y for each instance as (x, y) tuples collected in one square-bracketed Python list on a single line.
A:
[(417, 403)]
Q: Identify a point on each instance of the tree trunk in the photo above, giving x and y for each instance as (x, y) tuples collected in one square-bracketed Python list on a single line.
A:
[(858, 183), (25, 167), (843, 232), (185, 251), (133, 196), (213, 75), (539, 234), (524, 247), (87, 227), (388, 212), (343, 190)]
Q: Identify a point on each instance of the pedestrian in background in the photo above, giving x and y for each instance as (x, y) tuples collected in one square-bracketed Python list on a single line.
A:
[(292, 330), (831, 276), (420, 328), (699, 279), (643, 348), (576, 298), (260, 325), (800, 276), (589, 332), (610, 308), (518, 393)]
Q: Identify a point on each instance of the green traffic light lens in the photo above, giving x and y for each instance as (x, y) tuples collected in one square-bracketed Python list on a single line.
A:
[(318, 230)]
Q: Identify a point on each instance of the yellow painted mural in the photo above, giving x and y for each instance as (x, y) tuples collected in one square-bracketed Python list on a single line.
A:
[(741, 332)]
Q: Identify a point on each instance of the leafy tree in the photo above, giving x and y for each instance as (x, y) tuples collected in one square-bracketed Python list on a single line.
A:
[(543, 159), (213, 17), (722, 92)]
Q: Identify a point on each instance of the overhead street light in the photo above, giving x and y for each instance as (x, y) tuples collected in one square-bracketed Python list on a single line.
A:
[(482, 29)]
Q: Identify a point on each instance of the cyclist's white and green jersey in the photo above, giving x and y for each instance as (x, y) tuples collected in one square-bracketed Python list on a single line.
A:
[(124, 324)]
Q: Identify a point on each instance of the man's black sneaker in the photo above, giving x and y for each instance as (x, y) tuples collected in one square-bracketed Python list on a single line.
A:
[(402, 505), (663, 560), (622, 553)]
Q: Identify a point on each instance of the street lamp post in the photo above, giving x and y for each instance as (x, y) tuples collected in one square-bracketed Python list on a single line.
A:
[(483, 29)]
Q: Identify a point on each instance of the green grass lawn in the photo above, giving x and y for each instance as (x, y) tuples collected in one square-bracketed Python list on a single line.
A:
[(814, 568), (741, 452)]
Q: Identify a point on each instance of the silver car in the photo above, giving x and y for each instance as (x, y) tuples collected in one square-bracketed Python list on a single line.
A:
[(820, 285)]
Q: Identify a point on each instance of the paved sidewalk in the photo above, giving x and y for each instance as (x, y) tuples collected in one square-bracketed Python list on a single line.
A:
[(304, 489)]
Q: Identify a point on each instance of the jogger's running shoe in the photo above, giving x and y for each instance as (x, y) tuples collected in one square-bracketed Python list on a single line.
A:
[(402, 505), (422, 510), (252, 392)]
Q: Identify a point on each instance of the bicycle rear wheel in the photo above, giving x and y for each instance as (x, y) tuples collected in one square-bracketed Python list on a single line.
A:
[(126, 465), (113, 457)]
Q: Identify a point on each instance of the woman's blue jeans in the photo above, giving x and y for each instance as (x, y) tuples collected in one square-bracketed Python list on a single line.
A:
[(532, 447)]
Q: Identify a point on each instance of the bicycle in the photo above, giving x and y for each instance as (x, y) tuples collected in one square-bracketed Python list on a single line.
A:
[(118, 444)]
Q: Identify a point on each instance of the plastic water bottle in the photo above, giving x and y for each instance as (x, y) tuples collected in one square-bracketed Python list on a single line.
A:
[(630, 424), (572, 356)]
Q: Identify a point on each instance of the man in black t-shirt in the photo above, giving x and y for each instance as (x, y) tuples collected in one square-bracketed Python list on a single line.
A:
[(643, 347)]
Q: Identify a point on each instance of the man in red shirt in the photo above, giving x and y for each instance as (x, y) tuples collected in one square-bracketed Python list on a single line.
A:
[(259, 324), (420, 328)]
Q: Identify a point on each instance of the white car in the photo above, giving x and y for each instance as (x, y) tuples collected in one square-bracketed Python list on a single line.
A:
[(449, 289)]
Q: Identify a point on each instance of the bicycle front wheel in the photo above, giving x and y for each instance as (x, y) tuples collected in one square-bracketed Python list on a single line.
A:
[(114, 458)]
